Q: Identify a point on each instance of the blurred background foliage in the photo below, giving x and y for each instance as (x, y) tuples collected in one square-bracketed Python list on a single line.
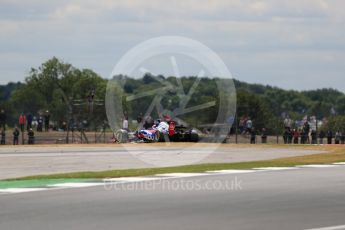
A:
[(63, 90)]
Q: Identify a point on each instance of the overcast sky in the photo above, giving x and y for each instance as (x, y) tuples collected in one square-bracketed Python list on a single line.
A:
[(294, 44)]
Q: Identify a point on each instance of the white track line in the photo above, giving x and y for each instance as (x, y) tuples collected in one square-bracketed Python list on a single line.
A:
[(21, 190), (339, 163), (316, 166), (182, 175), (339, 227), (75, 185), (233, 171), (131, 179), (274, 168)]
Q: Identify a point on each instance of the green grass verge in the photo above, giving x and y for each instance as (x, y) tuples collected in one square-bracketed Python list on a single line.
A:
[(338, 155), (36, 182)]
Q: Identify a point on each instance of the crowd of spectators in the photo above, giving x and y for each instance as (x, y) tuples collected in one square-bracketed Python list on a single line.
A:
[(292, 135), (26, 124), (307, 135), (303, 134)]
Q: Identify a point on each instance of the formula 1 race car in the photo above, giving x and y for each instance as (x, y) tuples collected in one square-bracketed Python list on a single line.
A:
[(181, 133), (168, 131), (165, 131), (148, 135)]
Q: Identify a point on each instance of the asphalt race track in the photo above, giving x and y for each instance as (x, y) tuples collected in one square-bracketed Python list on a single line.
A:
[(308, 198), (26, 161)]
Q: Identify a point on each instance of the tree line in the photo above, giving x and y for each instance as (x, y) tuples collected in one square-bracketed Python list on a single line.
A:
[(64, 91)]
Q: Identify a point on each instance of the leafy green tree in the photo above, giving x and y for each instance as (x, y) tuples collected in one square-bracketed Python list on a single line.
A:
[(63, 89), (55, 86)]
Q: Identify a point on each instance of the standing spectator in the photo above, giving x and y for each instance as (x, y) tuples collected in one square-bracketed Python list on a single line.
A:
[(306, 131), (241, 125), (29, 121), (40, 124), (3, 119), (287, 123), (34, 122), (286, 136), (263, 136), (31, 136), (3, 136), (290, 136), (249, 125), (15, 136), (296, 136), (304, 136), (322, 136), (337, 137), (125, 123), (253, 136), (22, 122), (46, 121), (302, 142), (313, 137), (329, 137), (140, 120)]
